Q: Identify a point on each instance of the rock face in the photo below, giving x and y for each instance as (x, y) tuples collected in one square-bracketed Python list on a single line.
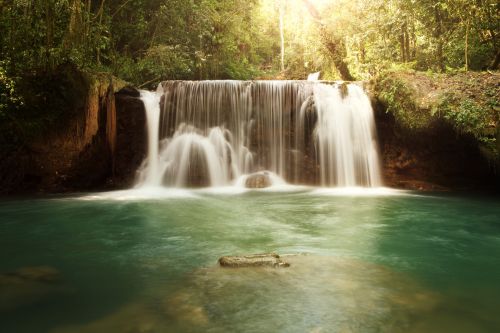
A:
[(432, 159), (98, 145), (131, 137), (254, 260), (118, 146), (258, 180)]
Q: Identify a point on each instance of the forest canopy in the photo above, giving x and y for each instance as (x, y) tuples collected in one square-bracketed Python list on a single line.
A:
[(145, 41)]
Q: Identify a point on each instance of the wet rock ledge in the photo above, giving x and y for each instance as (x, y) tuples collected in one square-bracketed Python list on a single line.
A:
[(258, 180), (253, 260)]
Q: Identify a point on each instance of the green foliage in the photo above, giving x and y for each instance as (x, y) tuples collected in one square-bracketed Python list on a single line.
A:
[(467, 116), (417, 100), (39, 102), (9, 98), (143, 40), (400, 101), (10, 104)]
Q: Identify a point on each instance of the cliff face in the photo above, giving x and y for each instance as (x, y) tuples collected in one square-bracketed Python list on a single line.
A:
[(109, 160), (131, 137), (97, 144)]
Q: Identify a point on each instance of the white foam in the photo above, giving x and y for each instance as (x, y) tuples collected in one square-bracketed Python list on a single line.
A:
[(358, 191), (165, 193), (143, 193)]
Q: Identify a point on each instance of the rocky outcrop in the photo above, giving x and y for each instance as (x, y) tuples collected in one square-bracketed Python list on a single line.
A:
[(98, 142), (258, 180), (131, 137), (118, 146)]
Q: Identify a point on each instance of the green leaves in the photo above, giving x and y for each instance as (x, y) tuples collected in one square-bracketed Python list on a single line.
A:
[(10, 101)]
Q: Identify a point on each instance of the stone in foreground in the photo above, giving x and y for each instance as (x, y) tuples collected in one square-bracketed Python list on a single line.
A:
[(258, 180), (253, 260)]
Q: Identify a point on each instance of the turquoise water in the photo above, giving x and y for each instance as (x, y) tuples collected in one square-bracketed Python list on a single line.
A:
[(390, 262)]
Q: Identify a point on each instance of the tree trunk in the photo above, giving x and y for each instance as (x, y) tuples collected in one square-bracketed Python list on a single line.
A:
[(413, 42), (407, 42), (467, 45), (439, 39), (496, 62), (88, 22), (402, 46), (100, 14), (362, 51), (49, 26), (282, 35), (73, 36), (335, 46)]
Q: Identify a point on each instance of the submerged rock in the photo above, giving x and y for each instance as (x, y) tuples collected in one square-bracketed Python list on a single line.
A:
[(253, 260), (27, 286), (349, 295), (45, 274), (258, 180)]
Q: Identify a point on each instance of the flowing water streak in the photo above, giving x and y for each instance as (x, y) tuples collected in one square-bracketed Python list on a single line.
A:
[(346, 137), (212, 132), (313, 76), (152, 105)]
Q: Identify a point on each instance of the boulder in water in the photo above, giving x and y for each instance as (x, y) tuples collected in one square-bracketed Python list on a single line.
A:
[(253, 260), (258, 180)]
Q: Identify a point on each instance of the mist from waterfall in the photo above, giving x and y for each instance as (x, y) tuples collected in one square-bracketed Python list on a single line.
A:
[(211, 133)]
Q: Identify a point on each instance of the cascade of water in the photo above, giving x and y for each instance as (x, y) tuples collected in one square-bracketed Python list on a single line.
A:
[(191, 158), (149, 174), (208, 133), (313, 76), (345, 135)]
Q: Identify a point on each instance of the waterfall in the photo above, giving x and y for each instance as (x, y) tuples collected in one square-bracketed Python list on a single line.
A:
[(151, 175), (209, 133), (345, 137), (313, 76)]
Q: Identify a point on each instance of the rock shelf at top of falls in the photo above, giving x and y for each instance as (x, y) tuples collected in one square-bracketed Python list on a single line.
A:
[(210, 133)]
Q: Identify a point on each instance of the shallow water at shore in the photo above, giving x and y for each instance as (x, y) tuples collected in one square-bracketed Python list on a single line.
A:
[(385, 261)]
